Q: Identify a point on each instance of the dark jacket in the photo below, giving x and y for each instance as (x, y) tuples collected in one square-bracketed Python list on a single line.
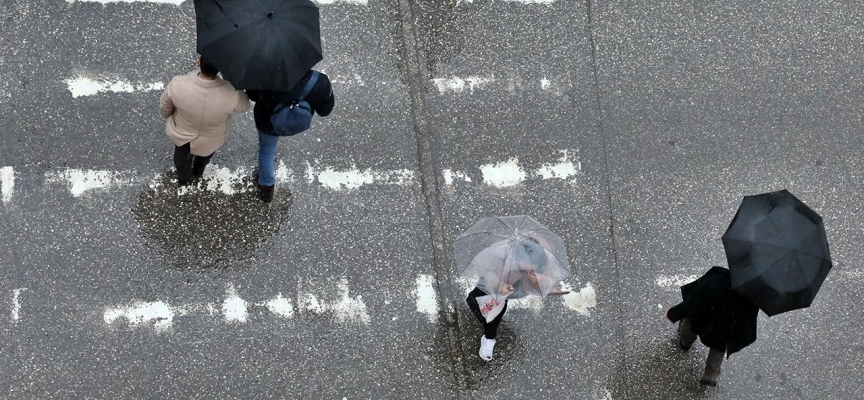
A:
[(723, 319), (320, 98)]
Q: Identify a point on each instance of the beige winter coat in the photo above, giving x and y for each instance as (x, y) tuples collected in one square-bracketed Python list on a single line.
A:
[(198, 111)]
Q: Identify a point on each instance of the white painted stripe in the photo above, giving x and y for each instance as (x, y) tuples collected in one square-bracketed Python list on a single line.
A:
[(353, 178), (80, 181), (582, 300), (174, 2), (234, 309), (457, 84), (16, 304), (503, 174), (281, 306), (675, 281), (350, 309), (160, 314), (450, 176), (534, 304), (564, 169), (7, 183), (307, 302), (283, 174), (84, 86), (346, 309), (427, 300)]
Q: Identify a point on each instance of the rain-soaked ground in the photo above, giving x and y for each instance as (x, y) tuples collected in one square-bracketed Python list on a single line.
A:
[(631, 129)]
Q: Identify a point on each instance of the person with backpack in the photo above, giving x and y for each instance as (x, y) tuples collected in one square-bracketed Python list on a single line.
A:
[(286, 114), (197, 108)]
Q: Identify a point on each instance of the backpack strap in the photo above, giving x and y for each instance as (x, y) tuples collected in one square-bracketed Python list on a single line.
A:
[(306, 89), (309, 85)]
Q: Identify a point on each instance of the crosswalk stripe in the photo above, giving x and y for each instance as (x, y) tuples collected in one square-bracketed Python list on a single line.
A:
[(229, 181), (80, 86), (7, 183)]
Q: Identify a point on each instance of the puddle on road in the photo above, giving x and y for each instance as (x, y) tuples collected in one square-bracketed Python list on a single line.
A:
[(658, 369), (200, 227), (478, 373)]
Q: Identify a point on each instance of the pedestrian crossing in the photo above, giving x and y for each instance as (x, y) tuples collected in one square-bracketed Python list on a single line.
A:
[(345, 306), (509, 173)]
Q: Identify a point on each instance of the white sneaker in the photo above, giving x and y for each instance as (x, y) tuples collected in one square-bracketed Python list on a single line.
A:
[(486, 347)]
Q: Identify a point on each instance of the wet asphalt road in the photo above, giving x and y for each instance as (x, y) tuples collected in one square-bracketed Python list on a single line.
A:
[(632, 129)]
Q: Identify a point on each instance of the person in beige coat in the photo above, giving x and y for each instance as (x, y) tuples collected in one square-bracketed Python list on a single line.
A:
[(197, 108)]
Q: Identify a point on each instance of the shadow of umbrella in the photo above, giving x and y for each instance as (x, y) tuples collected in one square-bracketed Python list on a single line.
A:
[(217, 222)]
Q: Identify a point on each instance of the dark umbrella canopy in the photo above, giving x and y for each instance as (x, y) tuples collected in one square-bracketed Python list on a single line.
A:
[(777, 252), (259, 44)]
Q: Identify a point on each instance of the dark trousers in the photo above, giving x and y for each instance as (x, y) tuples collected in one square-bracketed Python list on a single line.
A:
[(715, 357), (188, 165), (490, 329)]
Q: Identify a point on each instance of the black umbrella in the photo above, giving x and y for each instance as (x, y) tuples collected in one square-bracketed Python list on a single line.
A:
[(777, 252), (259, 44)]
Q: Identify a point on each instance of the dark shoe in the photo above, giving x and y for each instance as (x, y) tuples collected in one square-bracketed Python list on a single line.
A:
[(266, 193), (197, 174), (708, 382)]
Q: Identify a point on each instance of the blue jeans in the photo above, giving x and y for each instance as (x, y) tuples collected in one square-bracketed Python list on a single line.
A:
[(267, 159)]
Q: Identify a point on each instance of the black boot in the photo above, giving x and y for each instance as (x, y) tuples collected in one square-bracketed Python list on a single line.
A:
[(266, 193)]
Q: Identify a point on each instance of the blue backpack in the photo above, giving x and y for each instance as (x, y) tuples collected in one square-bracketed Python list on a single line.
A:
[(293, 118)]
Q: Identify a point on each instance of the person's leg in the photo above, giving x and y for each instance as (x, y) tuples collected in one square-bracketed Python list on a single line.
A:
[(199, 164), (686, 337), (183, 163), (490, 329), (474, 306), (267, 166), (490, 332), (267, 159), (712, 367)]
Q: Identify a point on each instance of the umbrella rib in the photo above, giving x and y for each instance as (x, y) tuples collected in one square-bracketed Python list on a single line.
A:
[(795, 249), (478, 253), (228, 17), (481, 233), (503, 223), (556, 257), (781, 231)]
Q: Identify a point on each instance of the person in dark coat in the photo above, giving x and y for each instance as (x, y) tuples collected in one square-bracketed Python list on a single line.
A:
[(320, 99), (723, 319)]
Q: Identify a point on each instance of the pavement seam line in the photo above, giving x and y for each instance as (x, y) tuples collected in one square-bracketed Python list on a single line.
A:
[(444, 285), (589, 10)]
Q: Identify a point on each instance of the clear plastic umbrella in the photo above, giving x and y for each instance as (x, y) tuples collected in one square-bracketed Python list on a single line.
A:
[(512, 257)]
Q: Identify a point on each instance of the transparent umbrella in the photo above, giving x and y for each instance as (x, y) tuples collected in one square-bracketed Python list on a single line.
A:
[(512, 257)]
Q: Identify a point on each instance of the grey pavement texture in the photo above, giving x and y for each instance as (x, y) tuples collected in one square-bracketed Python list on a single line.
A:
[(668, 113)]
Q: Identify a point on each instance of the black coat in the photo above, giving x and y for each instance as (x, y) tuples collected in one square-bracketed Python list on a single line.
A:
[(320, 98), (723, 319)]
